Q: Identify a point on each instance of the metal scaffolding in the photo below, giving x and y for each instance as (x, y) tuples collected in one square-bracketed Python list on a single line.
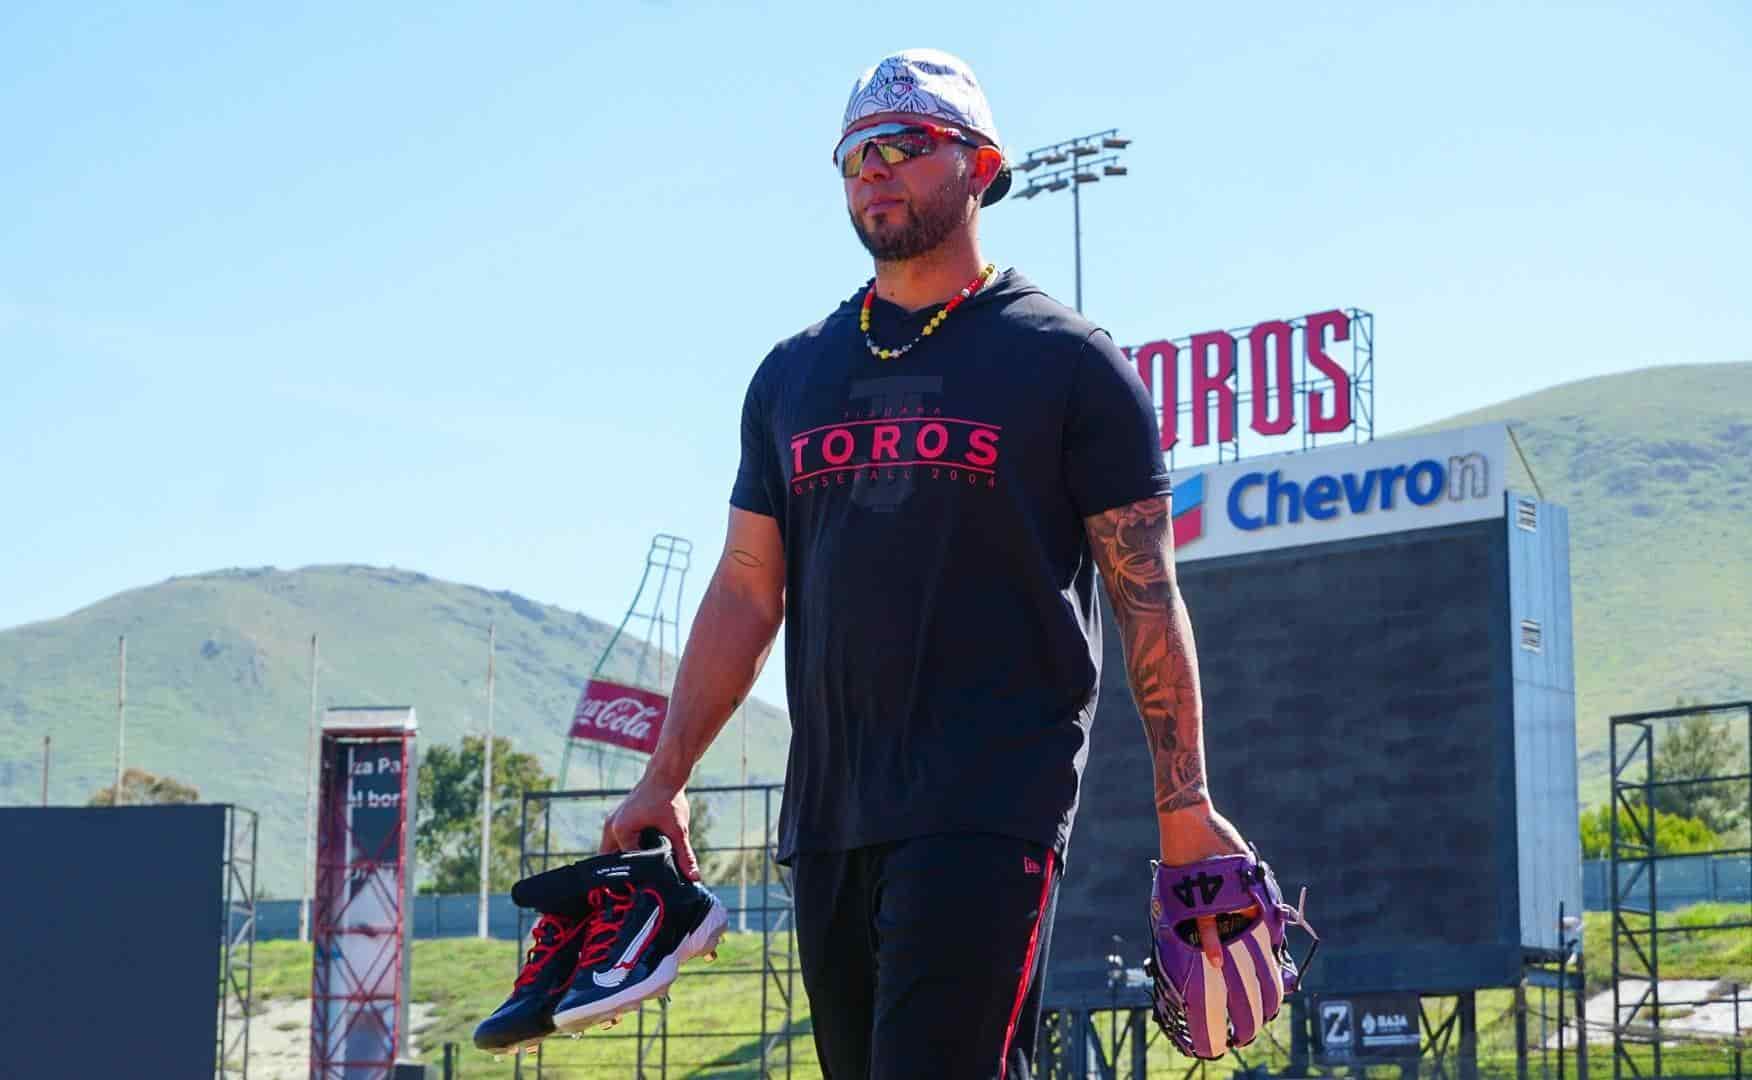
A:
[(1638, 925), (237, 921), (778, 957), (359, 924), (560, 827)]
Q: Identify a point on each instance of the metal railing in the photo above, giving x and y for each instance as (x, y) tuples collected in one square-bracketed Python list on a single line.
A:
[(656, 1041)]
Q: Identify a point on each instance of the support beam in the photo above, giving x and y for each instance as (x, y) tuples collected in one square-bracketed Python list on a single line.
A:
[(1468, 1007)]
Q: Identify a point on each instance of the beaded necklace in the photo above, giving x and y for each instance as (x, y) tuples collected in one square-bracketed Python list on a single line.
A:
[(936, 320)]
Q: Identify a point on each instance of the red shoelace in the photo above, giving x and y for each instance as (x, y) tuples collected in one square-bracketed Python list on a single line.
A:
[(609, 905), (550, 935)]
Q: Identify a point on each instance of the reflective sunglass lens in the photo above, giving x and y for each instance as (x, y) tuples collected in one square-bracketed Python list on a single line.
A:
[(893, 149)]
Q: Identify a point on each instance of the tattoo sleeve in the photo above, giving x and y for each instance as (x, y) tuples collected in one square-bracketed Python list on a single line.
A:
[(1133, 549)]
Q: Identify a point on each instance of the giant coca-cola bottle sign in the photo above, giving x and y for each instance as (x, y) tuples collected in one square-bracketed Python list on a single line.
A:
[(621, 715)]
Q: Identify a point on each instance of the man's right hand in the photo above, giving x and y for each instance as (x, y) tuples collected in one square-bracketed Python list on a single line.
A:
[(652, 806), (732, 632)]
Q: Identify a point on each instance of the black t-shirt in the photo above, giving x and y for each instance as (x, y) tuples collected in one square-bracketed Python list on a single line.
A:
[(942, 642)]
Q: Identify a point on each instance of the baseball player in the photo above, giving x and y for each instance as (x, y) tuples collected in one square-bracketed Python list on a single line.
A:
[(931, 478)]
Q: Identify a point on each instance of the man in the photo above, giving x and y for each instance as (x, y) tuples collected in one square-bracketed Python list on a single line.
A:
[(929, 479)]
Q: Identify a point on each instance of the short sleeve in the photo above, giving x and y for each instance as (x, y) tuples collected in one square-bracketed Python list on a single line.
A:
[(758, 481), (1113, 454)]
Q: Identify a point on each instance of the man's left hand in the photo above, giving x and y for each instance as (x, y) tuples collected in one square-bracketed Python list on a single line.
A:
[(1199, 832)]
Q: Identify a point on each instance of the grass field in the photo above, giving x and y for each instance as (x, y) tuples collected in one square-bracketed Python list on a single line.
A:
[(714, 1020), (715, 1015), (1688, 954)]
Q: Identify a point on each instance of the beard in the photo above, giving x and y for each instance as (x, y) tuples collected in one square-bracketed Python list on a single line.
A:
[(930, 221)]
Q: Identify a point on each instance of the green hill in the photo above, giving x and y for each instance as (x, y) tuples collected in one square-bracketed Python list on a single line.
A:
[(218, 685), (1655, 468)]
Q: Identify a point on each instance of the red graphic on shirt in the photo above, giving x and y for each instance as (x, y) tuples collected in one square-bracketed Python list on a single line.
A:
[(875, 448)]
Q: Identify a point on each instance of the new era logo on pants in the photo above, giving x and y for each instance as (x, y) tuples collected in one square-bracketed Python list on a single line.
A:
[(1030, 867)]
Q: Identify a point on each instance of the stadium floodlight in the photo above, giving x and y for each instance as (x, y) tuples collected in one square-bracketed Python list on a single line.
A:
[(1075, 162)]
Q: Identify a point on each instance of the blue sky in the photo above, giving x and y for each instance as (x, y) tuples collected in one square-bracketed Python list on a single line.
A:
[(476, 289)]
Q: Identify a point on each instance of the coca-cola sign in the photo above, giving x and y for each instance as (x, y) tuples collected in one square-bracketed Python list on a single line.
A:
[(622, 715)]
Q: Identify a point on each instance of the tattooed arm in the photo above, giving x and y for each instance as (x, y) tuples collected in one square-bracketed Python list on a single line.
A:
[(733, 632), (1134, 550)]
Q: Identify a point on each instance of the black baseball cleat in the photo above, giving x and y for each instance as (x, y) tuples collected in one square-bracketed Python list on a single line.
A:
[(645, 921), (527, 1016)]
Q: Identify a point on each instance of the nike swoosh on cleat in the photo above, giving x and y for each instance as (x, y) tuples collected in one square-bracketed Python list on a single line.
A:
[(616, 975)]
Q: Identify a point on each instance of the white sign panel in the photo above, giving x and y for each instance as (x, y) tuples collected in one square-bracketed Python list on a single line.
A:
[(1340, 493)]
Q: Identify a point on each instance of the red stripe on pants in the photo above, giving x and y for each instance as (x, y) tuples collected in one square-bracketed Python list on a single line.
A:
[(1027, 966)]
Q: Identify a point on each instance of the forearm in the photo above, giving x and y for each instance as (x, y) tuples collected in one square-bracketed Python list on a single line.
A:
[(1135, 552), (732, 634), (1164, 682)]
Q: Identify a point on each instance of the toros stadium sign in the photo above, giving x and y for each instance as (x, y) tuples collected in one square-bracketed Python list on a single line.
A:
[(1313, 375)]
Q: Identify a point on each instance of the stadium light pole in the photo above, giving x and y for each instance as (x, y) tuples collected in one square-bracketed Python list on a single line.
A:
[(121, 713), (308, 884), (487, 786), (1071, 164)]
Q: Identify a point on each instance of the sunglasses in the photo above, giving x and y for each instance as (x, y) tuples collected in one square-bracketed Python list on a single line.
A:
[(894, 142)]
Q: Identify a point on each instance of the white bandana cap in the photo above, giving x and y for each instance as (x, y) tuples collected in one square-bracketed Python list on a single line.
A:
[(933, 83)]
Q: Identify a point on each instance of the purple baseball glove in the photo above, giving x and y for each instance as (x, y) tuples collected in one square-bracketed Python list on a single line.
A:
[(1203, 1008)]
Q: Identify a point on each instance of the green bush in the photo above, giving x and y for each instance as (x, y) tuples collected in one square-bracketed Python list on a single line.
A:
[(1674, 835)]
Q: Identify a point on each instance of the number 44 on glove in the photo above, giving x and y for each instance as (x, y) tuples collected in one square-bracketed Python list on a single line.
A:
[(1206, 1009)]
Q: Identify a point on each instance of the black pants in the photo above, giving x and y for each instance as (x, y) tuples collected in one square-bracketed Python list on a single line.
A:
[(926, 957)]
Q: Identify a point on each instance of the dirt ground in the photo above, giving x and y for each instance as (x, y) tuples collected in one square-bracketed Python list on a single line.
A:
[(1715, 1017), (279, 1038)]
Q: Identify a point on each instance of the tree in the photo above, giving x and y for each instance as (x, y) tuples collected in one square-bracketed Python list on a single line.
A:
[(447, 828), (141, 788), (1674, 835), (1699, 745)]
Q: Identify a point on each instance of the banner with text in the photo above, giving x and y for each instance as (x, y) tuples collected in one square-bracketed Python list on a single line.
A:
[(359, 926), (623, 716), (1340, 493)]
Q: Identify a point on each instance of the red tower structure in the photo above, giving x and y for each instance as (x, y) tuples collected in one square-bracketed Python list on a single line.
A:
[(364, 874)]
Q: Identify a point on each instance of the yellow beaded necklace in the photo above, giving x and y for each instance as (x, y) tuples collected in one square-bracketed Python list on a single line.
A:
[(955, 301)]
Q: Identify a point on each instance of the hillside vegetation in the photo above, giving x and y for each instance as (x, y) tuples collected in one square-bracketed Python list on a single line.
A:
[(219, 695), (1655, 468)]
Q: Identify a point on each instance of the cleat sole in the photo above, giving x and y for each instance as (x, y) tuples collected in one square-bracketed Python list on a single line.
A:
[(524, 1046)]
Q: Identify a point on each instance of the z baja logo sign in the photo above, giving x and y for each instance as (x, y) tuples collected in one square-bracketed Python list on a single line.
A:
[(1337, 1033), (1360, 1028)]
